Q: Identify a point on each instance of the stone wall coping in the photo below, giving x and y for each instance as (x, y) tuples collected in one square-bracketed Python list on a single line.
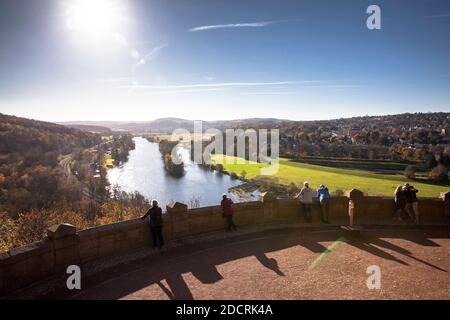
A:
[(61, 230), (33, 249), (196, 212), (249, 204), (88, 233), (4, 258)]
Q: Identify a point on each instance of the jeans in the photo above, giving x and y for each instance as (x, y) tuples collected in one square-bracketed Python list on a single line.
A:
[(325, 205), (413, 210), (157, 237), (399, 209), (307, 211)]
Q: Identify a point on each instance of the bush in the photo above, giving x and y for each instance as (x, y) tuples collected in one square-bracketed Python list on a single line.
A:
[(293, 189), (32, 226), (233, 175), (439, 173), (8, 232)]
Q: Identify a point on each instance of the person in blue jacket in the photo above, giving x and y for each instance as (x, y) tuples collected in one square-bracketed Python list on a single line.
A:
[(324, 198)]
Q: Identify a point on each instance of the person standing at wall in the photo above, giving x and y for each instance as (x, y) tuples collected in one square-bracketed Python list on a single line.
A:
[(324, 198), (228, 212), (156, 224), (306, 197), (400, 203), (412, 203)]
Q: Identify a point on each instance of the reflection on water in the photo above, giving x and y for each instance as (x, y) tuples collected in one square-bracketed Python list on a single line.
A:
[(144, 172)]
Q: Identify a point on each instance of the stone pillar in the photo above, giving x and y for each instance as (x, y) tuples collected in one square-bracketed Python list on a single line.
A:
[(355, 197), (178, 213), (445, 196), (64, 240), (270, 206)]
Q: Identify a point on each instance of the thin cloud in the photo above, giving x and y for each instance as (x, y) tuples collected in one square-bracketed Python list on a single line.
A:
[(115, 80), (334, 86), (260, 24), (278, 92), (268, 87), (324, 86), (271, 93), (222, 84), (191, 90)]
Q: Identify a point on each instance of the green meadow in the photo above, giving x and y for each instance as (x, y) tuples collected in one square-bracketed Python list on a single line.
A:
[(369, 182)]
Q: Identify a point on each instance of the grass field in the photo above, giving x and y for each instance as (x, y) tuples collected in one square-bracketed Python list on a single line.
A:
[(335, 178)]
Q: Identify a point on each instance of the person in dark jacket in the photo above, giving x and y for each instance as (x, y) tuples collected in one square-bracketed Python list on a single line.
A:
[(227, 212), (156, 224), (324, 198), (400, 203), (412, 203)]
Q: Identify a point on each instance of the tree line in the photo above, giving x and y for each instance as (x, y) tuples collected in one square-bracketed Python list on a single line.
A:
[(38, 190)]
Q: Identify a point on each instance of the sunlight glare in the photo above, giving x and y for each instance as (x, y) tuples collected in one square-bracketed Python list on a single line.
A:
[(93, 19)]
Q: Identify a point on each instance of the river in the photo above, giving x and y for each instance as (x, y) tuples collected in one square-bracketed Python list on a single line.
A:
[(144, 172)]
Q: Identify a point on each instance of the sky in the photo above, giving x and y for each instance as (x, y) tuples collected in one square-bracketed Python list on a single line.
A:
[(131, 60)]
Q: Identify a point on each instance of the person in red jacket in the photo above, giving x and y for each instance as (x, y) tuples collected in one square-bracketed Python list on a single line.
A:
[(227, 212)]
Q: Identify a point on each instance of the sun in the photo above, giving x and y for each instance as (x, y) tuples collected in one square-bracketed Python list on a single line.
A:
[(93, 19)]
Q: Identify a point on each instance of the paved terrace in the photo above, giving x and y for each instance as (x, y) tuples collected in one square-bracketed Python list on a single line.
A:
[(274, 255), (295, 262)]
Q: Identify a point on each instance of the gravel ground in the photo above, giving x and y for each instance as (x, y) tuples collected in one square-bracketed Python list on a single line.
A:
[(277, 263), (288, 264)]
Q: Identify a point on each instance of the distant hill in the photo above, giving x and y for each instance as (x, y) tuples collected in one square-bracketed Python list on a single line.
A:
[(438, 120), (23, 135), (90, 128), (168, 125)]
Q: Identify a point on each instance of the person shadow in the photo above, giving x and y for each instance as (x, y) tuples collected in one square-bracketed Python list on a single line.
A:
[(178, 289), (269, 263)]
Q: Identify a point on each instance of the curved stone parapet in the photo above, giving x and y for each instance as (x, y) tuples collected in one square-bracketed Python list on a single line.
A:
[(65, 245)]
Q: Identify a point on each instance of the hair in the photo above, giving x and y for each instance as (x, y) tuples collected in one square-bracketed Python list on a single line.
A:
[(398, 189)]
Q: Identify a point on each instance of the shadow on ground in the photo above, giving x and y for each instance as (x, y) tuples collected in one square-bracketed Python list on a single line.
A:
[(166, 268)]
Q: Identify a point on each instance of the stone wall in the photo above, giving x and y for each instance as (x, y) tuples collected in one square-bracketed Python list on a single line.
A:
[(66, 246)]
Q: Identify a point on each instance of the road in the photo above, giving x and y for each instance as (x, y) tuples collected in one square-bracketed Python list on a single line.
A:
[(65, 163)]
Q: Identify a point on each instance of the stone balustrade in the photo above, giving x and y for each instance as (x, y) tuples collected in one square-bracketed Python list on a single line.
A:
[(65, 245)]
